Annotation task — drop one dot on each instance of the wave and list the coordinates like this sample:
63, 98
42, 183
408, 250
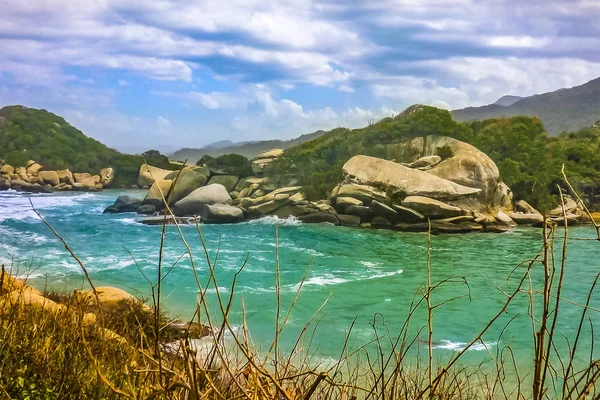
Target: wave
329, 279
371, 264
458, 346
275, 220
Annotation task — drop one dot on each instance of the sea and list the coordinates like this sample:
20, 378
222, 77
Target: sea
341, 290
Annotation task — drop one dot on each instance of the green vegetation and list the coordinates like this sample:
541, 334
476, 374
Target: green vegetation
31, 134
231, 164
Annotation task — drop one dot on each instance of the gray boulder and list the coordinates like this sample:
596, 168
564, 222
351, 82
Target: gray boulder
385, 211
229, 181
397, 179
364, 193
220, 214
359, 211
209, 194
430, 207
124, 204
185, 182
320, 217
406, 214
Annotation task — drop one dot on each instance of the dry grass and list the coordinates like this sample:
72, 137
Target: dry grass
125, 352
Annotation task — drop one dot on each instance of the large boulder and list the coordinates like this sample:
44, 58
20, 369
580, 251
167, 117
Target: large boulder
148, 174
4, 184
155, 197
229, 181
385, 211
430, 207
220, 214
84, 179
262, 162
398, 180
426, 162
209, 194
49, 177
320, 217
124, 204
65, 176
186, 181
503, 197
107, 175
33, 168
7, 169
466, 166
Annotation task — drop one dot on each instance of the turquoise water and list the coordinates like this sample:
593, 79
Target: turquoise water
369, 275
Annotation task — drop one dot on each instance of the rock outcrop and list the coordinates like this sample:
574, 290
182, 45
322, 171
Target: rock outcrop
148, 174
261, 163
193, 203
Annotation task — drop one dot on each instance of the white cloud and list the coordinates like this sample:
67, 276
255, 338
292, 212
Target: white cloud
123, 83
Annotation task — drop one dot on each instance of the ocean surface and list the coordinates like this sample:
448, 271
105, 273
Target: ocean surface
368, 278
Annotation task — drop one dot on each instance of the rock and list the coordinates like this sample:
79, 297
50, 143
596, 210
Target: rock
341, 203
266, 208
5, 184
96, 179
85, 179
177, 330
209, 194
525, 219
28, 296
359, 211
148, 174
154, 195
570, 207
297, 198
124, 204
8, 283
458, 220
49, 177
505, 219
220, 214
524, 207
349, 220
385, 211
107, 175
7, 169
399, 180
229, 181
503, 197
66, 176
406, 214
364, 193
21, 171
437, 227
430, 207
495, 228
274, 153
168, 221
33, 168
427, 161
146, 209
467, 166
110, 298
320, 217
186, 181
380, 222
242, 183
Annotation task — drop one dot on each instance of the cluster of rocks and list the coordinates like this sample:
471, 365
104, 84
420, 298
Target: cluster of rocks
437, 183
34, 178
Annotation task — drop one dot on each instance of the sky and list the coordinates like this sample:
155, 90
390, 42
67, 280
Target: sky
166, 74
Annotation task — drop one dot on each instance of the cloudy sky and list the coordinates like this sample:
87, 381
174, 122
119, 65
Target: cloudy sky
141, 74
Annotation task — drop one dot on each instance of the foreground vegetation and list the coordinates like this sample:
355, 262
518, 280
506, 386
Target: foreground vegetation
30, 134
53, 353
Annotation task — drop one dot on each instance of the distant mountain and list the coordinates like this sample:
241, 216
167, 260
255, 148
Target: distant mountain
247, 149
563, 110
507, 100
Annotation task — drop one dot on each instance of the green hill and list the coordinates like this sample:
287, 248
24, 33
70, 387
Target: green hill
564, 110
32, 134
246, 149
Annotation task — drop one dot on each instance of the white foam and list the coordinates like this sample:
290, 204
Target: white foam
330, 279
370, 264
458, 346
275, 220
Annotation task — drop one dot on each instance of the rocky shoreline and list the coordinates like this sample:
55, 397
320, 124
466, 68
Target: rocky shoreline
440, 184
34, 178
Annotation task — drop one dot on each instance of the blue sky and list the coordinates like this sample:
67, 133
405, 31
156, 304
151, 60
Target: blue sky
168, 74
